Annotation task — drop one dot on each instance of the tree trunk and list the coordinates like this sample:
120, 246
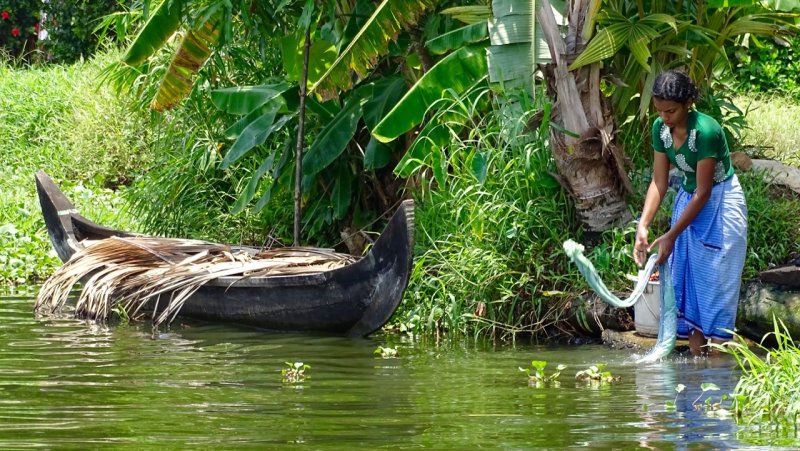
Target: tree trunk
590, 165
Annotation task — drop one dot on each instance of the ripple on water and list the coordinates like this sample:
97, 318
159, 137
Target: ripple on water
64, 382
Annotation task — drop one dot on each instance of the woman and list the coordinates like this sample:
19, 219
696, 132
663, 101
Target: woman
707, 239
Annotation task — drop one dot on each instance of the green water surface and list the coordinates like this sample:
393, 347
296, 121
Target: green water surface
65, 383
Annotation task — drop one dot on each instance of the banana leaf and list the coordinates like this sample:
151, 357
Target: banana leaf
371, 42
333, 139
159, 28
458, 71
244, 99
459, 37
194, 50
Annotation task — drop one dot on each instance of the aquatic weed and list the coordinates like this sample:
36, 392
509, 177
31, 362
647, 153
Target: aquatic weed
295, 373
537, 376
386, 352
595, 375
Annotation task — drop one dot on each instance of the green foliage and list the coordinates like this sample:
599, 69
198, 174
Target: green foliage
72, 27
53, 118
294, 373
19, 26
537, 376
712, 408
594, 375
489, 234
386, 352
772, 235
670, 405
768, 67
677, 34
766, 393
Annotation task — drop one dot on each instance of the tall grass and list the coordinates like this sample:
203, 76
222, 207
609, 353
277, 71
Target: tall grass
772, 127
767, 392
56, 118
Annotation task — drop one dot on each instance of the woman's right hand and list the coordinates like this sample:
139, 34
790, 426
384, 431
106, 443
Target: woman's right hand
640, 246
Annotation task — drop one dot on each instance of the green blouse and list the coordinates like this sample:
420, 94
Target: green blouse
705, 140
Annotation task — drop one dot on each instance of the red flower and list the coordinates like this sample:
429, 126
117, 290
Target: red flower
15, 32
5, 15
36, 27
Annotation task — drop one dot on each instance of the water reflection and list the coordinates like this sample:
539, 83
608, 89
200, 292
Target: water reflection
66, 383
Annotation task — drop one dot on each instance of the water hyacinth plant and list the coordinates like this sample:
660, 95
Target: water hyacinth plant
386, 352
537, 376
294, 373
671, 406
595, 375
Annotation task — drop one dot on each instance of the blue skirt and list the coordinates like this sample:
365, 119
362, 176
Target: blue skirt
708, 260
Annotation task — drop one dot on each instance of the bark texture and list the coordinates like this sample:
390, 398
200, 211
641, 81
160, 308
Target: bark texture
591, 166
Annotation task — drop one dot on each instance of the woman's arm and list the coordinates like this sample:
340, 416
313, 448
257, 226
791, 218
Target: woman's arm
655, 194
705, 181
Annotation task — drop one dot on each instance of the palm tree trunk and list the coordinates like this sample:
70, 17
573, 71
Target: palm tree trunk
590, 164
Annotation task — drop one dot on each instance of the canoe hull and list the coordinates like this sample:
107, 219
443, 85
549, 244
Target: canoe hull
354, 300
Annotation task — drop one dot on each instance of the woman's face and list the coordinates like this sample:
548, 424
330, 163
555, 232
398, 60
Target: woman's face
671, 112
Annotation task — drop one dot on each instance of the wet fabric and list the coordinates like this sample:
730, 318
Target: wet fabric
708, 259
667, 327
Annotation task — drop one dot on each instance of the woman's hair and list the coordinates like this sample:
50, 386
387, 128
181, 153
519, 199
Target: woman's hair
674, 85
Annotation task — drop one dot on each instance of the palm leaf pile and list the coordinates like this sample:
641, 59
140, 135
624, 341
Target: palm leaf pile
130, 273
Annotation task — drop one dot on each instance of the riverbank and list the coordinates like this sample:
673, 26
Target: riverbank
488, 244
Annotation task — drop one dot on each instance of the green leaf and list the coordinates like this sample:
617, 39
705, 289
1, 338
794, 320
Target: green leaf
386, 92
377, 154
469, 14
459, 37
606, 43
321, 54
431, 138
640, 52
342, 191
250, 189
458, 71
326, 111
438, 164
159, 28
254, 135
244, 99
709, 386
333, 139
784, 5
725, 3
479, 166
271, 107
371, 41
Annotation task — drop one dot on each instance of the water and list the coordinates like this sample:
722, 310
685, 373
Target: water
67, 384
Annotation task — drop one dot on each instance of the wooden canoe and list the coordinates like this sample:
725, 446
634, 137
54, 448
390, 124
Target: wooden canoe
354, 300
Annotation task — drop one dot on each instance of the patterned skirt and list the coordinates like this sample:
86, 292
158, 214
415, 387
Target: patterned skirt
708, 259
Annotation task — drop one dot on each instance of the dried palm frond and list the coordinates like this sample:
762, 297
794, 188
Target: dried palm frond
133, 272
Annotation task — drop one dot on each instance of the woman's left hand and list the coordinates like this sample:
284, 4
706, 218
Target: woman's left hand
665, 245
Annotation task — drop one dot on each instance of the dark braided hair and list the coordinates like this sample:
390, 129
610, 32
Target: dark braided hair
675, 86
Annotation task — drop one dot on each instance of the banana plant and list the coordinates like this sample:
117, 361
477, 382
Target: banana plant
370, 42
193, 51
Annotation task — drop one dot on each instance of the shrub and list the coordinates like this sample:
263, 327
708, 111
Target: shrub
19, 25
71, 27
769, 67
